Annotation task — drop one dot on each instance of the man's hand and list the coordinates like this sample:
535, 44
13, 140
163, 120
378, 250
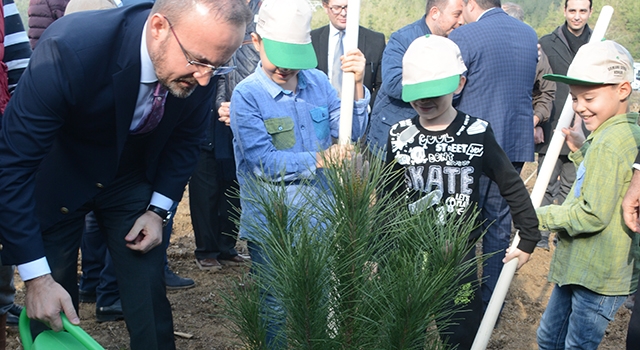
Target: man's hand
631, 203
354, 62
574, 135
45, 300
146, 233
224, 113
538, 135
517, 253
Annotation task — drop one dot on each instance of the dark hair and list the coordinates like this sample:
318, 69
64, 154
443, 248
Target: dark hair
437, 3
231, 11
566, 2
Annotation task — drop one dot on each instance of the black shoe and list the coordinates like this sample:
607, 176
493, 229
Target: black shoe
86, 296
13, 315
110, 313
174, 282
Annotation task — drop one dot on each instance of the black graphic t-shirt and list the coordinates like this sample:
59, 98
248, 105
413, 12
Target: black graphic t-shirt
443, 168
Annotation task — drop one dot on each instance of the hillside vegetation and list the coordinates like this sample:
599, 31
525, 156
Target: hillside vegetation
544, 16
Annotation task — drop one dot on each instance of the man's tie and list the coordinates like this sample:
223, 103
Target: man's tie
336, 71
152, 119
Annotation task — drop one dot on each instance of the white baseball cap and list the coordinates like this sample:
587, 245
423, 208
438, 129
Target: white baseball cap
431, 67
598, 63
285, 29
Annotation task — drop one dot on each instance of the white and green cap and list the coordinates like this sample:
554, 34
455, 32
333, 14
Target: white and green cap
598, 63
285, 28
431, 67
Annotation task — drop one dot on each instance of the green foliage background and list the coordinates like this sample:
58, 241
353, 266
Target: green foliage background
544, 16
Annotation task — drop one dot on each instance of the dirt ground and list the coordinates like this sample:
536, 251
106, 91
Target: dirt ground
200, 323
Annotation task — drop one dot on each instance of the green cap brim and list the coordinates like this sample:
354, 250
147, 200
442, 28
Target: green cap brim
569, 81
290, 56
431, 88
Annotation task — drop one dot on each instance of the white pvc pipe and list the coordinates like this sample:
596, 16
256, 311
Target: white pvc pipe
350, 42
508, 270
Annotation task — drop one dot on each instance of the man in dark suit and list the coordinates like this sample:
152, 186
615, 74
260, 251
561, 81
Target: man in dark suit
561, 46
87, 129
213, 186
501, 55
325, 40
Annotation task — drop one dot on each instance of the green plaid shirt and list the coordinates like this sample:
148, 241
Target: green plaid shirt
595, 248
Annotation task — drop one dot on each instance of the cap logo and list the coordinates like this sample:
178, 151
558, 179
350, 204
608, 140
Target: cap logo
618, 71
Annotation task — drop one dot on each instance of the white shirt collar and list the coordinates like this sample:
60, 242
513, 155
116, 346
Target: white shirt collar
333, 31
147, 72
482, 14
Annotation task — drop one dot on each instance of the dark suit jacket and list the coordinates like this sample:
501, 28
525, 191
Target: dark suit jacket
501, 55
369, 42
65, 128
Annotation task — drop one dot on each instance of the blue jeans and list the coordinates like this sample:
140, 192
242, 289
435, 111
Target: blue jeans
497, 223
576, 318
271, 308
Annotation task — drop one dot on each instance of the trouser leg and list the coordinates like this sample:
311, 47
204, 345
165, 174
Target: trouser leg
140, 276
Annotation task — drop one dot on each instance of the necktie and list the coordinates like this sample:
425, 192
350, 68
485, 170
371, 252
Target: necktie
152, 119
336, 71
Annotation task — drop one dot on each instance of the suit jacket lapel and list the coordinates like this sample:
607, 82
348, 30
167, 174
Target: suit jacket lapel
361, 40
126, 82
323, 49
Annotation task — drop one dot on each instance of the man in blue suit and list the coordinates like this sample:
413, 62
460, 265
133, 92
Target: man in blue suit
501, 56
77, 136
441, 17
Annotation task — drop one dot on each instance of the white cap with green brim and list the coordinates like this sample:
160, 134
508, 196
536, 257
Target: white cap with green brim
431, 67
598, 63
285, 29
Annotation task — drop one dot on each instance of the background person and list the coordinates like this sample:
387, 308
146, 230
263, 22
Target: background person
561, 46
630, 211
213, 186
441, 17
328, 45
493, 43
41, 14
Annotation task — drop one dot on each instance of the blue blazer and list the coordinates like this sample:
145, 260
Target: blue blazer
64, 130
501, 54
389, 107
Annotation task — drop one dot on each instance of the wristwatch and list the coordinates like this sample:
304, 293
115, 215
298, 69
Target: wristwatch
164, 214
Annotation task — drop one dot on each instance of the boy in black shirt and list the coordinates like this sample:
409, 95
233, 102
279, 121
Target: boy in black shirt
444, 152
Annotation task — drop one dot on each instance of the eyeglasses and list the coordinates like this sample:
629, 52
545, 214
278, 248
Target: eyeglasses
203, 68
336, 10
